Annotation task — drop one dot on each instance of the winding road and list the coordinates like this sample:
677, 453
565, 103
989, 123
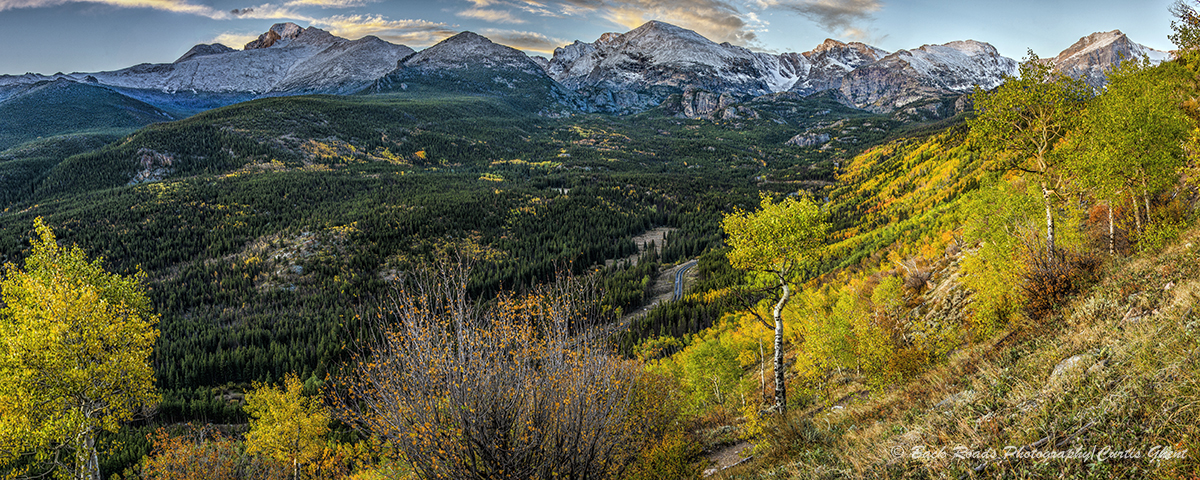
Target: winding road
679, 278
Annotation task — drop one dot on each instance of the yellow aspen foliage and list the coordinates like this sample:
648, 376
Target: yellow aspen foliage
75, 346
286, 425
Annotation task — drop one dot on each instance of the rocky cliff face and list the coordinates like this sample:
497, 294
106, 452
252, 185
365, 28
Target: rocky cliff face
928, 72
1092, 57
623, 71
701, 104
823, 68
286, 59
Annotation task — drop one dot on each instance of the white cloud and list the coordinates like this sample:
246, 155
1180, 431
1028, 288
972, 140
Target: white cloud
329, 3
528, 41
234, 40
407, 32
269, 12
490, 15
835, 15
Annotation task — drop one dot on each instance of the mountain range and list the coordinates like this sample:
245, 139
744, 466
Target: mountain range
617, 73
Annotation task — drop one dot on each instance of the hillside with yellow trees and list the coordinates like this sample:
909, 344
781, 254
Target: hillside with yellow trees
443, 287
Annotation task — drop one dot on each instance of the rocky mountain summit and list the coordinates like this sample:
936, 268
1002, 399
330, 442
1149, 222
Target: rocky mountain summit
286, 59
658, 59
279, 31
823, 67
1093, 56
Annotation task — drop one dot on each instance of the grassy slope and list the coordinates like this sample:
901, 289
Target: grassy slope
1116, 369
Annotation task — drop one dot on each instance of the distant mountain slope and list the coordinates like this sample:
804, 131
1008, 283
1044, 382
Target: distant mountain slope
287, 59
472, 64
62, 106
621, 71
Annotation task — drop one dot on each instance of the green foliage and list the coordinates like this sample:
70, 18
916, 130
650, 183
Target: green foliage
1133, 134
711, 371
994, 271
1021, 120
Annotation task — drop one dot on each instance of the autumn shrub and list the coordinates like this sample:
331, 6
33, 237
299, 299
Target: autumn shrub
1159, 233
200, 454
286, 425
916, 279
1049, 280
661, 442
672, 456
523, 387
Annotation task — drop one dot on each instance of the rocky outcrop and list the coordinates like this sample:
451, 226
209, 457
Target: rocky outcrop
152, 166
808, 139
278, 32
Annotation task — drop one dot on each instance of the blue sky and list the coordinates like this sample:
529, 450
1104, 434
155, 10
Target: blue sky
48, 36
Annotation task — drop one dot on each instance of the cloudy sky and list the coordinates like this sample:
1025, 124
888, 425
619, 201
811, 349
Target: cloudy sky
48, 36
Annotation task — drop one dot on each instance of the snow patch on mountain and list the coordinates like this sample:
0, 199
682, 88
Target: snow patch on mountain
1093, 56
287, 59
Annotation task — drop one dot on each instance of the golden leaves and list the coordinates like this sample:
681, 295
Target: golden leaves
75, 357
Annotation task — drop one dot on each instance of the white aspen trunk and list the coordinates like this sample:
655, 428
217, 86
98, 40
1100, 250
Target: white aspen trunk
1136, 216
91, 463
1112, 242
1049, 222
762, 370
1146, 199
780, 388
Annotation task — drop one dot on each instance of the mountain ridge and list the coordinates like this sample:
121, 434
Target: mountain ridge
618, 73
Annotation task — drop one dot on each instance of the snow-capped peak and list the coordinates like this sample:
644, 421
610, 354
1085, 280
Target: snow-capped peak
1090, 44
468, 49
1093, 56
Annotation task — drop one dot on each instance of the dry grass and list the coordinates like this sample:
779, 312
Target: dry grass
1113, 373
